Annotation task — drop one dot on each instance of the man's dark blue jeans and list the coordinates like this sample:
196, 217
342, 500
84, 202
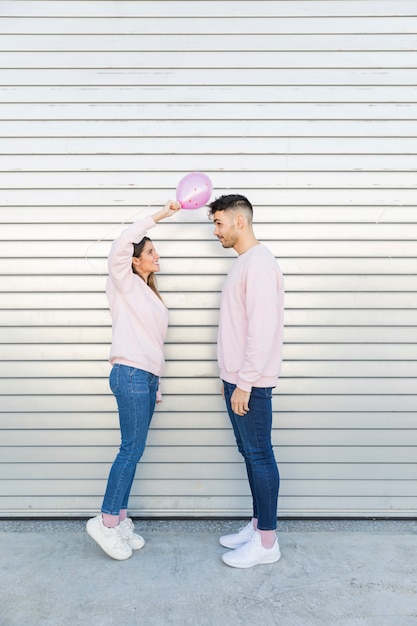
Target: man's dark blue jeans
253, 438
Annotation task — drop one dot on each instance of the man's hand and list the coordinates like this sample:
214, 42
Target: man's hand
240, 401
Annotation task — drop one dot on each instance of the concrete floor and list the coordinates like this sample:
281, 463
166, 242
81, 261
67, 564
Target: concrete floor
331, 573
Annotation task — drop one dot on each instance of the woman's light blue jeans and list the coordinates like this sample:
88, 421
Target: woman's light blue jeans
135, 392
253, 438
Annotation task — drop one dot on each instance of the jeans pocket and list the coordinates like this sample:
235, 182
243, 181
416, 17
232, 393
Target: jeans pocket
139, 381
114, 378
263, 393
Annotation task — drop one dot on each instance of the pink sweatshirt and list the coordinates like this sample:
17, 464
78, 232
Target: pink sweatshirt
140, 319
251, 322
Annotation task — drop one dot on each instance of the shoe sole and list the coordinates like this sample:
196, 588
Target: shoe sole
117, 557
248, 565
232, 546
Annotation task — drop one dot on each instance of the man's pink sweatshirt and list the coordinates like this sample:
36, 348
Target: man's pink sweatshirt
140, 318
251, 325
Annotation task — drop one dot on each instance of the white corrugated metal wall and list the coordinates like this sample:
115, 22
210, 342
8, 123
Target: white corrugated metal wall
309, 108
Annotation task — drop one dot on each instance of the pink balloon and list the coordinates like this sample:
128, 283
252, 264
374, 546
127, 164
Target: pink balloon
194, 190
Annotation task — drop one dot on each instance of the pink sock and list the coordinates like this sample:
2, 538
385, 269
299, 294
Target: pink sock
255, 522
110, 521
122, 515
268, 538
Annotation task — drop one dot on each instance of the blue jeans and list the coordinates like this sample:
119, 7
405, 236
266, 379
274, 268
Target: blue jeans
253, 438
135, 392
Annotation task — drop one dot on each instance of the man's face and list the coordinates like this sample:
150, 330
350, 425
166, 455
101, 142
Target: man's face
225, 228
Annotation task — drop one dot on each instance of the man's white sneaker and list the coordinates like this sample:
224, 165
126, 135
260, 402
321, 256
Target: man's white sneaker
238, 539
110, 540
135, 541
252, 553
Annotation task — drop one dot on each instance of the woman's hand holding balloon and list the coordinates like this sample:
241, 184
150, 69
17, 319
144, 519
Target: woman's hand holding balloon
171, 207
193, 191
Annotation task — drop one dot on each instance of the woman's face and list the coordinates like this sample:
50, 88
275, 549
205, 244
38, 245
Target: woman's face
148, 261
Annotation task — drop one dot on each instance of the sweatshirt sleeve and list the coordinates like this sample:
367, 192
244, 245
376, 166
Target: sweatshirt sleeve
263, 297
120, 256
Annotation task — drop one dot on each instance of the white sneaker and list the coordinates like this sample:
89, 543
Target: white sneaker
238, 539
252, 553
135, 541
110, 540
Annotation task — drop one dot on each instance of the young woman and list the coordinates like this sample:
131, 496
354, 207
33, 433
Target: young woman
140, 321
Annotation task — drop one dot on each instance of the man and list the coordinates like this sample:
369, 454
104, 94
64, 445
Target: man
249, 351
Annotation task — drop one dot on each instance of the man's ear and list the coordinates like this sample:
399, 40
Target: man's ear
240, 221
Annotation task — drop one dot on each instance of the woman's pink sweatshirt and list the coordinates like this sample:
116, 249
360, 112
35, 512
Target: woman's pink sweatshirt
251, 322
140, 318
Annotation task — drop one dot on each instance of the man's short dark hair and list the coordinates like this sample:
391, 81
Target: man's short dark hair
231, 202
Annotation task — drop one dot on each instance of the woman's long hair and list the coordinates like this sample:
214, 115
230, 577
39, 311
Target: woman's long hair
151, 282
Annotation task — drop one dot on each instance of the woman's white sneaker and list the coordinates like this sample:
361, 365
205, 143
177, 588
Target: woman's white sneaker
252, 553
238, 539
110, 540
135, 541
